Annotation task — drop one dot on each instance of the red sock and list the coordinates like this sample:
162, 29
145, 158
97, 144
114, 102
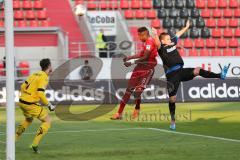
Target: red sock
125, 99
137, 102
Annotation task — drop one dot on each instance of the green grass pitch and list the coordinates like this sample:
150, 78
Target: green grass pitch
103, 139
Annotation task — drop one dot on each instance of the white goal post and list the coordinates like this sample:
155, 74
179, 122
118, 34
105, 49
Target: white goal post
10, 84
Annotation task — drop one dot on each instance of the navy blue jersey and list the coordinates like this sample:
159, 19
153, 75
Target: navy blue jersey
170, 55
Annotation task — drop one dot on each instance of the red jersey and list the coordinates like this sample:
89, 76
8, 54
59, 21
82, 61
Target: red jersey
151, 62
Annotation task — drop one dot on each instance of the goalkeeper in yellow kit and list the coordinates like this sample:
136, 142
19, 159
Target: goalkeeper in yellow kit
32, 92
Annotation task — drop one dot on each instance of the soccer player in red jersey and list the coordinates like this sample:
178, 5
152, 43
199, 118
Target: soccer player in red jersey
142, 74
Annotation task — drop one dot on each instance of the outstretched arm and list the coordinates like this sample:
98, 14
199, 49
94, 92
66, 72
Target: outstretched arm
139, 59
135, 56
156, 38
182, 31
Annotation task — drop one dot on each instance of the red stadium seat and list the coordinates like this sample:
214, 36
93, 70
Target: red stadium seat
227, 33
146, 4
222, 23
159, 31
42, 14
33, 23
103, 5
216, 13
211, 4
78, 2
2, 15
38, 4
211, 23
204, 52
216, 33
222, 43
228, 13
30, 14
237, 52
192, 52
113, 4
233, 43
237, 32
128, 14
233, 3
199, 43
155, 23
151, 14
140, 14
92, 5
233, 23
135, 4
26, 4
188, 43
237, 13
210, 43
200, 3
22, 23
222, 4
228, 52
206, 13
1, 23
44, 23
2, 71
23, 68
216, 52
16, 5
18, 14
124, 4
15, 23
182, 52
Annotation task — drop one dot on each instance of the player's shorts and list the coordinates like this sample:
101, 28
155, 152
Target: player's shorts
175, 78
33, 110
140, 78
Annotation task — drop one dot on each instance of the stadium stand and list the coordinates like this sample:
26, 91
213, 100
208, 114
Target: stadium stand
215, 22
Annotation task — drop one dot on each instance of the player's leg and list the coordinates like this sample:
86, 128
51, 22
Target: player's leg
123, 103
131, 86
207, 74
42, 130
23, 126
172, 86
137, 95
27, 121
143, 81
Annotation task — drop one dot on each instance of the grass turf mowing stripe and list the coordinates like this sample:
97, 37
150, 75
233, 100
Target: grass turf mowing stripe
154, 129
196, 135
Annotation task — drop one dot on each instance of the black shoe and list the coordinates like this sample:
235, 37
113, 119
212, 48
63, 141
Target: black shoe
35, 149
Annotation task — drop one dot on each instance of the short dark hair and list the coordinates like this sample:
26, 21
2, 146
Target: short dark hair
162, 35
45, 63
142, 29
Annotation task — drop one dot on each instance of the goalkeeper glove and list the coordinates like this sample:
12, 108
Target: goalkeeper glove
51, 107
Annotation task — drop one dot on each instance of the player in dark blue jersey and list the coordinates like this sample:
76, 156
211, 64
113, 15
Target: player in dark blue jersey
173, 67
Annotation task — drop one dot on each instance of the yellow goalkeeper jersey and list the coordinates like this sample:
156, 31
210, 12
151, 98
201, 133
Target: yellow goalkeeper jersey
33, 89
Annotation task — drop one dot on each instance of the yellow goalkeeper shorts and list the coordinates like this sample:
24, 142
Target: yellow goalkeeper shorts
33, 110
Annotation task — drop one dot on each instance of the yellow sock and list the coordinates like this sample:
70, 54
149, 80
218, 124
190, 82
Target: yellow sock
21, 128
40, 133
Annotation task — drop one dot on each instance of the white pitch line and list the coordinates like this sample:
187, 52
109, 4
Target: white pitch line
195, 135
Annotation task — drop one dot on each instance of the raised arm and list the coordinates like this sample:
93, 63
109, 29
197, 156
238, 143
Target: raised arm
156, 38
182, 31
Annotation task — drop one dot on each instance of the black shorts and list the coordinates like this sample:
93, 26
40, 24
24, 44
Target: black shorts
175, 78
